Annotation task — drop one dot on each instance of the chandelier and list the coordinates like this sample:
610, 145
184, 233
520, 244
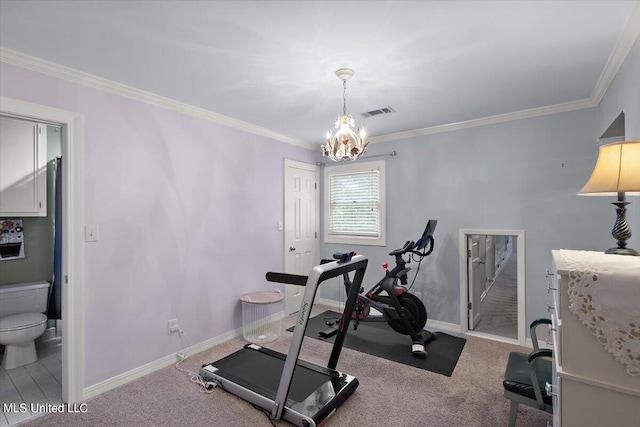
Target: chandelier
344, 143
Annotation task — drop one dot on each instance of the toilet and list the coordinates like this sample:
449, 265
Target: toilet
22, 321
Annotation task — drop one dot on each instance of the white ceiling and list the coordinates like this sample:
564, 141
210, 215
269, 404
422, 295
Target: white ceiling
272, 63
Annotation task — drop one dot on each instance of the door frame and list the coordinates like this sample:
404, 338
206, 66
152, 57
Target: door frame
463, 233
474, 311
309, 167
72, 244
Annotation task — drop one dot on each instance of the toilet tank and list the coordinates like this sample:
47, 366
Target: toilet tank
29, 297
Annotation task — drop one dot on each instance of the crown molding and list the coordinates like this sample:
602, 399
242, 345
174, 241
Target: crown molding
622, 47
484, 121
29, 62
624, 44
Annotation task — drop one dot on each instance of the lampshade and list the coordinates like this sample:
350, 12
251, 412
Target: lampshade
617, 170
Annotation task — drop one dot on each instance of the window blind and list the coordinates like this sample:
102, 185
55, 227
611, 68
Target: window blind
354, 205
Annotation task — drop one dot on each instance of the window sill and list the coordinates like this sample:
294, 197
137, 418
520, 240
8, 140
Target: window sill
351, 240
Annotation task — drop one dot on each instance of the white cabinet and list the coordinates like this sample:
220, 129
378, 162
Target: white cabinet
23, 168
591, 388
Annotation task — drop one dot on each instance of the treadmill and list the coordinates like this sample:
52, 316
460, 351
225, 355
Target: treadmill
300, 392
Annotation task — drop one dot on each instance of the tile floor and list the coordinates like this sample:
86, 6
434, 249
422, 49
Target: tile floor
38, 382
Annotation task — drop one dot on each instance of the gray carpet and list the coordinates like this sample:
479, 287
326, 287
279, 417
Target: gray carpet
499, 309
389, 393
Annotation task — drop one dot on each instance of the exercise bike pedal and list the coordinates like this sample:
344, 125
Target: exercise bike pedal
419, 351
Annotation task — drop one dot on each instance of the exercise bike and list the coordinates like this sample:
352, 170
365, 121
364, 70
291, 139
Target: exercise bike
404, 312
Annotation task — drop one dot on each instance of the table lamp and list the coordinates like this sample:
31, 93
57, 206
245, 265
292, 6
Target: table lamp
617, 171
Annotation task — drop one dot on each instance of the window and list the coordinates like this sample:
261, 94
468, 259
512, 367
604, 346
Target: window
354, 204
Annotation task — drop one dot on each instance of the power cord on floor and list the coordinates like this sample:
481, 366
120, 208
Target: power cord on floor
205, 386
264, 411
182, 334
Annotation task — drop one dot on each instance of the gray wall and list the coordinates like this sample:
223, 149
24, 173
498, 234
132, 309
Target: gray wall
518, 175
37, 263
624, 95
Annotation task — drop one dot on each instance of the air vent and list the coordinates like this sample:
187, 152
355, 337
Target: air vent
372, 113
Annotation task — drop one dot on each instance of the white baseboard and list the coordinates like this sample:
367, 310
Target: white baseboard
331, 303
443, 326
491, 337
143, 370
541, 344
171, 359
528, 342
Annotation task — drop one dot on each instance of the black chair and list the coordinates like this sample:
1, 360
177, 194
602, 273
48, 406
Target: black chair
526, 376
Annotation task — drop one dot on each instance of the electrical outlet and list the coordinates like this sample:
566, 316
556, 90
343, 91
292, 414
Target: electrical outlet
181, 355
173, 325
419, 295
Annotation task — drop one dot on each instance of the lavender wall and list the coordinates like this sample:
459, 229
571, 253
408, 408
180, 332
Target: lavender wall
187, 211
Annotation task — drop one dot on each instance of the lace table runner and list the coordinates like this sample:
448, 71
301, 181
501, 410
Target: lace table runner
604, 292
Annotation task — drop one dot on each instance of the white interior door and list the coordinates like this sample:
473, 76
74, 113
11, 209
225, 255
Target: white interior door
476, 281
301, 247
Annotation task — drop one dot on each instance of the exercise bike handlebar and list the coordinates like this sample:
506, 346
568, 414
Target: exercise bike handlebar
429, 243
403, 250
411, 248
423, 246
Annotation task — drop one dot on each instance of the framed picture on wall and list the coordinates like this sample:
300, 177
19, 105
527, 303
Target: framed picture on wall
11, 239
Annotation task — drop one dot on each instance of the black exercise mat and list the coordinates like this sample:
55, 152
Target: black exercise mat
378, 339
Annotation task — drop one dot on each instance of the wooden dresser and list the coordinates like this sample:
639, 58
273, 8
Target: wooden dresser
591, 387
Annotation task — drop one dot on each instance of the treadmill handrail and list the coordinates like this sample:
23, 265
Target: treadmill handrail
317, 275
289, 279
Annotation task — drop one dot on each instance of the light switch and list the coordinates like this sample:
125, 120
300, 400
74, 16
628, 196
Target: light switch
90, 233
280, 226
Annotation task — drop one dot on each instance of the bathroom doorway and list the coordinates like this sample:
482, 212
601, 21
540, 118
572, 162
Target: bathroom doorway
32, 208
70, 126
492, 284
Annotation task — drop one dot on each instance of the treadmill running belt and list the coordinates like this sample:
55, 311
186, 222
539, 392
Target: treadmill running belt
261, 373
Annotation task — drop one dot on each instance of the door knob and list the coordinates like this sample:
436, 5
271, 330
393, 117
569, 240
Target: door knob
291, 248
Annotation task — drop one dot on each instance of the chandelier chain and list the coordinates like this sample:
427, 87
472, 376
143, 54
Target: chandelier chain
344, 97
